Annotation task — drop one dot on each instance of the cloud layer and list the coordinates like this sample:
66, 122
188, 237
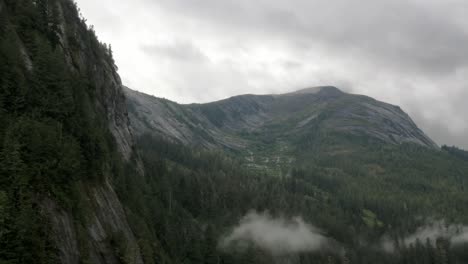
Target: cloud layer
278, 236
407, 52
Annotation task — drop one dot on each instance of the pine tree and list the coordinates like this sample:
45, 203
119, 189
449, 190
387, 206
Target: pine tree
43, 11
28, 20
210, 246
430, 251
442, 255
12, 167
346, 258
3, 22
52, 93
194, 252
12, 79
54, 21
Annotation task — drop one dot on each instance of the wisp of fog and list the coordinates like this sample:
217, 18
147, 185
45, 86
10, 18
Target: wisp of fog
432, 231
278, 236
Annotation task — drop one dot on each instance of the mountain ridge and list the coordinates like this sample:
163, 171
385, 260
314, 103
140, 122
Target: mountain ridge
250, 112
273, 132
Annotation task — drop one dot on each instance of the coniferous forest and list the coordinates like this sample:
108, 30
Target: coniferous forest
59, 91
53, 135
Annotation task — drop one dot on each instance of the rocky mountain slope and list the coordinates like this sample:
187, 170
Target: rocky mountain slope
269, 129
221, 122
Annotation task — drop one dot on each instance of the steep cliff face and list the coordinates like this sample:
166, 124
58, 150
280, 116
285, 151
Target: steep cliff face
106, 226
70, 84
76, 41
107, 216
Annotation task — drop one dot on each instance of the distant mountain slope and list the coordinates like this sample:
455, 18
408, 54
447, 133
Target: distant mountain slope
358, 169
275, 129
220, 122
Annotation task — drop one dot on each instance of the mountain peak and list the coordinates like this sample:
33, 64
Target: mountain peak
319, 90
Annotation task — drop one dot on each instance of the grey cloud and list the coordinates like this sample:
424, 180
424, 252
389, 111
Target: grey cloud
407, 52
291, 65
443, 133
422, 36
443, 115
278, 236
184, 51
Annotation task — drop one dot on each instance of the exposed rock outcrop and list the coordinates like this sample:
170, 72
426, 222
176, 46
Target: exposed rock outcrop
223, 123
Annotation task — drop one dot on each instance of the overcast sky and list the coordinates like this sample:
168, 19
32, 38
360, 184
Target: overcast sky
413, 53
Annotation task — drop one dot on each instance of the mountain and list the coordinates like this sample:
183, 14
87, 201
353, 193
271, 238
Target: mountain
271, 128
355, 168
224, 120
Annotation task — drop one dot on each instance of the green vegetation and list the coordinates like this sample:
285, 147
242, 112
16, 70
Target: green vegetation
379, 191
462, 154
51, 135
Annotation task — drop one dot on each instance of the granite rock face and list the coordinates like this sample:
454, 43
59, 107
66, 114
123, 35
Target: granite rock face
224, 123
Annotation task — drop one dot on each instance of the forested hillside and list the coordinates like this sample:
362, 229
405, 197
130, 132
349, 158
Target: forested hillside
462, 154
373, 200
63, 136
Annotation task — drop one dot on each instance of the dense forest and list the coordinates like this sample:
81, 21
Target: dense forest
53, 138
462, 154
191, 198
375, 204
